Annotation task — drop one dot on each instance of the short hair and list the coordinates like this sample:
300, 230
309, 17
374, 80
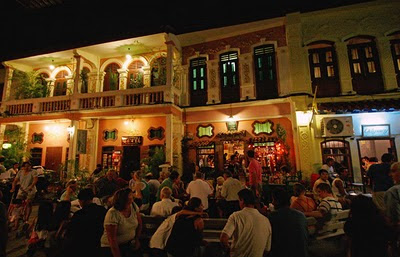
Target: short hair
99, 166
193, 203
247, 196
322, 171
395, 167
176, 209
166, 191
325, 187
233, 157
250, 153
228, 173
2, 159
373, 159
365, 158
86, 194
174, 175
198, 175
220, 179
149, 175
25, 163
281, 197
298, 188
138, 173
329, 159
387, 157
341, 170
120, 198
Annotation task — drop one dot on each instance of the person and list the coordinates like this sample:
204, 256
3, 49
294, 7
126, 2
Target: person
229, 192
338, 187
97, 171
107, 185
381, 180
85, 228
289, 228
163, 176
218, 187
392, 195
153, 184
329, 167
328, 206
168, 182
27, 190
251, 230
255, 174
141, 190
199, 188
122, 226
59, 223
70, 193
10, 173
301, 202
323, 178
164, 207
187, 232
3, 227
367, 229
2, 168
179, 192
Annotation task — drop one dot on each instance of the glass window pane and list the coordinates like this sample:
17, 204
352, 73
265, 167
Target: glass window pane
270, 60
259, 62
194, 73
398, 64
202, 84
194, 85
368, 52
225, 81
329, 56
317, 72
234, 80
330, 71
371, 67
271, 75
397, 48
201, 72
354, 54
356, 68
315, 58
261, 75
224, 68
233, 67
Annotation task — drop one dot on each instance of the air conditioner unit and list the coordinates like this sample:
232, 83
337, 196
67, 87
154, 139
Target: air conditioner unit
337, 126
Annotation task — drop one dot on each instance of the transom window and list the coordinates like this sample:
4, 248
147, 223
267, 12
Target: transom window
395, 45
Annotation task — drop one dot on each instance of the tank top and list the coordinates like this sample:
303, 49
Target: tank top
335, 189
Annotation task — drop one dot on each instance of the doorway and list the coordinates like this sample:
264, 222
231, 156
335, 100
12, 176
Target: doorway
53, 157
376, 147
130, 161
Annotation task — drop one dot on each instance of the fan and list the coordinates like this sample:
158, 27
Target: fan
335, 126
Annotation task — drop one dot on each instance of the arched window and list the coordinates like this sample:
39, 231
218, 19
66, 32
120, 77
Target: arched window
364, 65
198, 81
45, 91
111, 78
324, 69
159, 72
85, 80
339, 150
395, 46
229, 70
265, 72
135, 74
60, 85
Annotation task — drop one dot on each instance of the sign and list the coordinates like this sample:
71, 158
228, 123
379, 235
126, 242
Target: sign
132, 140
376, 130
81, 141
232, 136
232, 125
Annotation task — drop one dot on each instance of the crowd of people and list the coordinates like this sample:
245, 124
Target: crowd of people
104, 218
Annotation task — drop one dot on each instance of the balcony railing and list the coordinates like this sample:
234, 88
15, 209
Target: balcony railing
99, 100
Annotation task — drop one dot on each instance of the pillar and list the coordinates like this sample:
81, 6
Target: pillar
146, 76
344, 69
388, 71
123, 79
77, 79
70, 85
170, 56
169, 139
7, 83
72, 150
247, 85
213, 90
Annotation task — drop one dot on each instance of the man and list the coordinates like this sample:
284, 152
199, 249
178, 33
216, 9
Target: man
339, 187
251, 230
392, 195
107, 185
381, 180
164, 207
168, 182
229, 192
255, 174
70, 191
10, 173
154, 184
199, 188
27, 179
323, 178
289, 228
86, 227
328, 206
329, 167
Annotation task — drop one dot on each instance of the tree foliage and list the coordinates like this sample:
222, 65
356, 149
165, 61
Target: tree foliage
29, 85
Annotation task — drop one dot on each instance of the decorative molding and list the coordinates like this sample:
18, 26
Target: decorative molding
205, 131
37, 138
156, 133
267, 128
110, 135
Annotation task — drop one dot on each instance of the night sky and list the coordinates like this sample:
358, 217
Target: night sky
76, 23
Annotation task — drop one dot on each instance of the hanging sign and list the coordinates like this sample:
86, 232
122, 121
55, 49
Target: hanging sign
132, 140
376, 130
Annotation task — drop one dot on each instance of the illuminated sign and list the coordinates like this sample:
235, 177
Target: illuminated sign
376, 130
132, 140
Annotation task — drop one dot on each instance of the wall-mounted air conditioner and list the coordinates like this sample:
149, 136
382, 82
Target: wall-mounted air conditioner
337, 126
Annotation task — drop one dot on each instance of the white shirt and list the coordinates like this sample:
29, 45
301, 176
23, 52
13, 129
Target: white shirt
160, 237
230, 189
201, 189
8, 174
335, 189
251, 233
163, 208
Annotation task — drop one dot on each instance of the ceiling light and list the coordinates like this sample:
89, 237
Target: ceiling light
128, 57
51, 67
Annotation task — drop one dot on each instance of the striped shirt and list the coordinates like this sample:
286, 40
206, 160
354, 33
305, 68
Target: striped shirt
329, 205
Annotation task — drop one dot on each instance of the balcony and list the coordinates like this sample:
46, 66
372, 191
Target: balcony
90, 101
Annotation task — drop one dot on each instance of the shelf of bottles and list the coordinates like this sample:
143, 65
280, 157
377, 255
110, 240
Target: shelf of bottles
205, 156
269, 154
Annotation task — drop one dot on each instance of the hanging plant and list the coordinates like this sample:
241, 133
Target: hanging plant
29, 85
85, 81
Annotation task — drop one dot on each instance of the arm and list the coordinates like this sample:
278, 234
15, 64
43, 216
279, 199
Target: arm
112, 239
16, 180
224, 239
315, 214
35, 180
199, 224
339, 185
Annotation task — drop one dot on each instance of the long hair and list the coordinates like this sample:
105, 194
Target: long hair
120, 198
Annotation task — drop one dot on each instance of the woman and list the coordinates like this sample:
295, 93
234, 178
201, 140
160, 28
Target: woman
367, 229
187, 232
300, 201
122, 226
141, 190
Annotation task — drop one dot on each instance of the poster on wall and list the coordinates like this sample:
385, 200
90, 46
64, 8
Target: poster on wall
81, 141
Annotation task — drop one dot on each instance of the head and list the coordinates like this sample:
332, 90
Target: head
323, 174
330, 161
395, 172
176, 209
220, 180
15, 165
123, 198
387, 158
298, 189
324, 190
194, 204
365, 159
233, 158
2, 159
93, 188
246, 198
85, 196
107, 201
72, 184
373, 159
148, 176
174, 176
280, 198
137, 175
343, 172
250, 153
111, 174
26, 166
99, 167
362, 208
166, 193
198, 175
227, 174
285, 169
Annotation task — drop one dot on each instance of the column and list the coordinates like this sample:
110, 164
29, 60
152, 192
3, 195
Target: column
100, 82
25, 130
178, 132
72, 149
93, 78
304, 150
284, 79
51, 83
247, 74
185, 86
77, 79
70, 85
344, 68
170, 55
123, 79
388, 71
146, 76
213, 82
169, 139
7, 83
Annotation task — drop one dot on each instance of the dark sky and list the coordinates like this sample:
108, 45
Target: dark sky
75, 23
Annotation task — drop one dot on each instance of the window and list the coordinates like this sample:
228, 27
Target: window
85, 80
159, 72
339, 150
324, 69
135, 74
60, 85
395, 45
265, 72
364, 66
36, 156
111, 78
198, 81
230, 90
